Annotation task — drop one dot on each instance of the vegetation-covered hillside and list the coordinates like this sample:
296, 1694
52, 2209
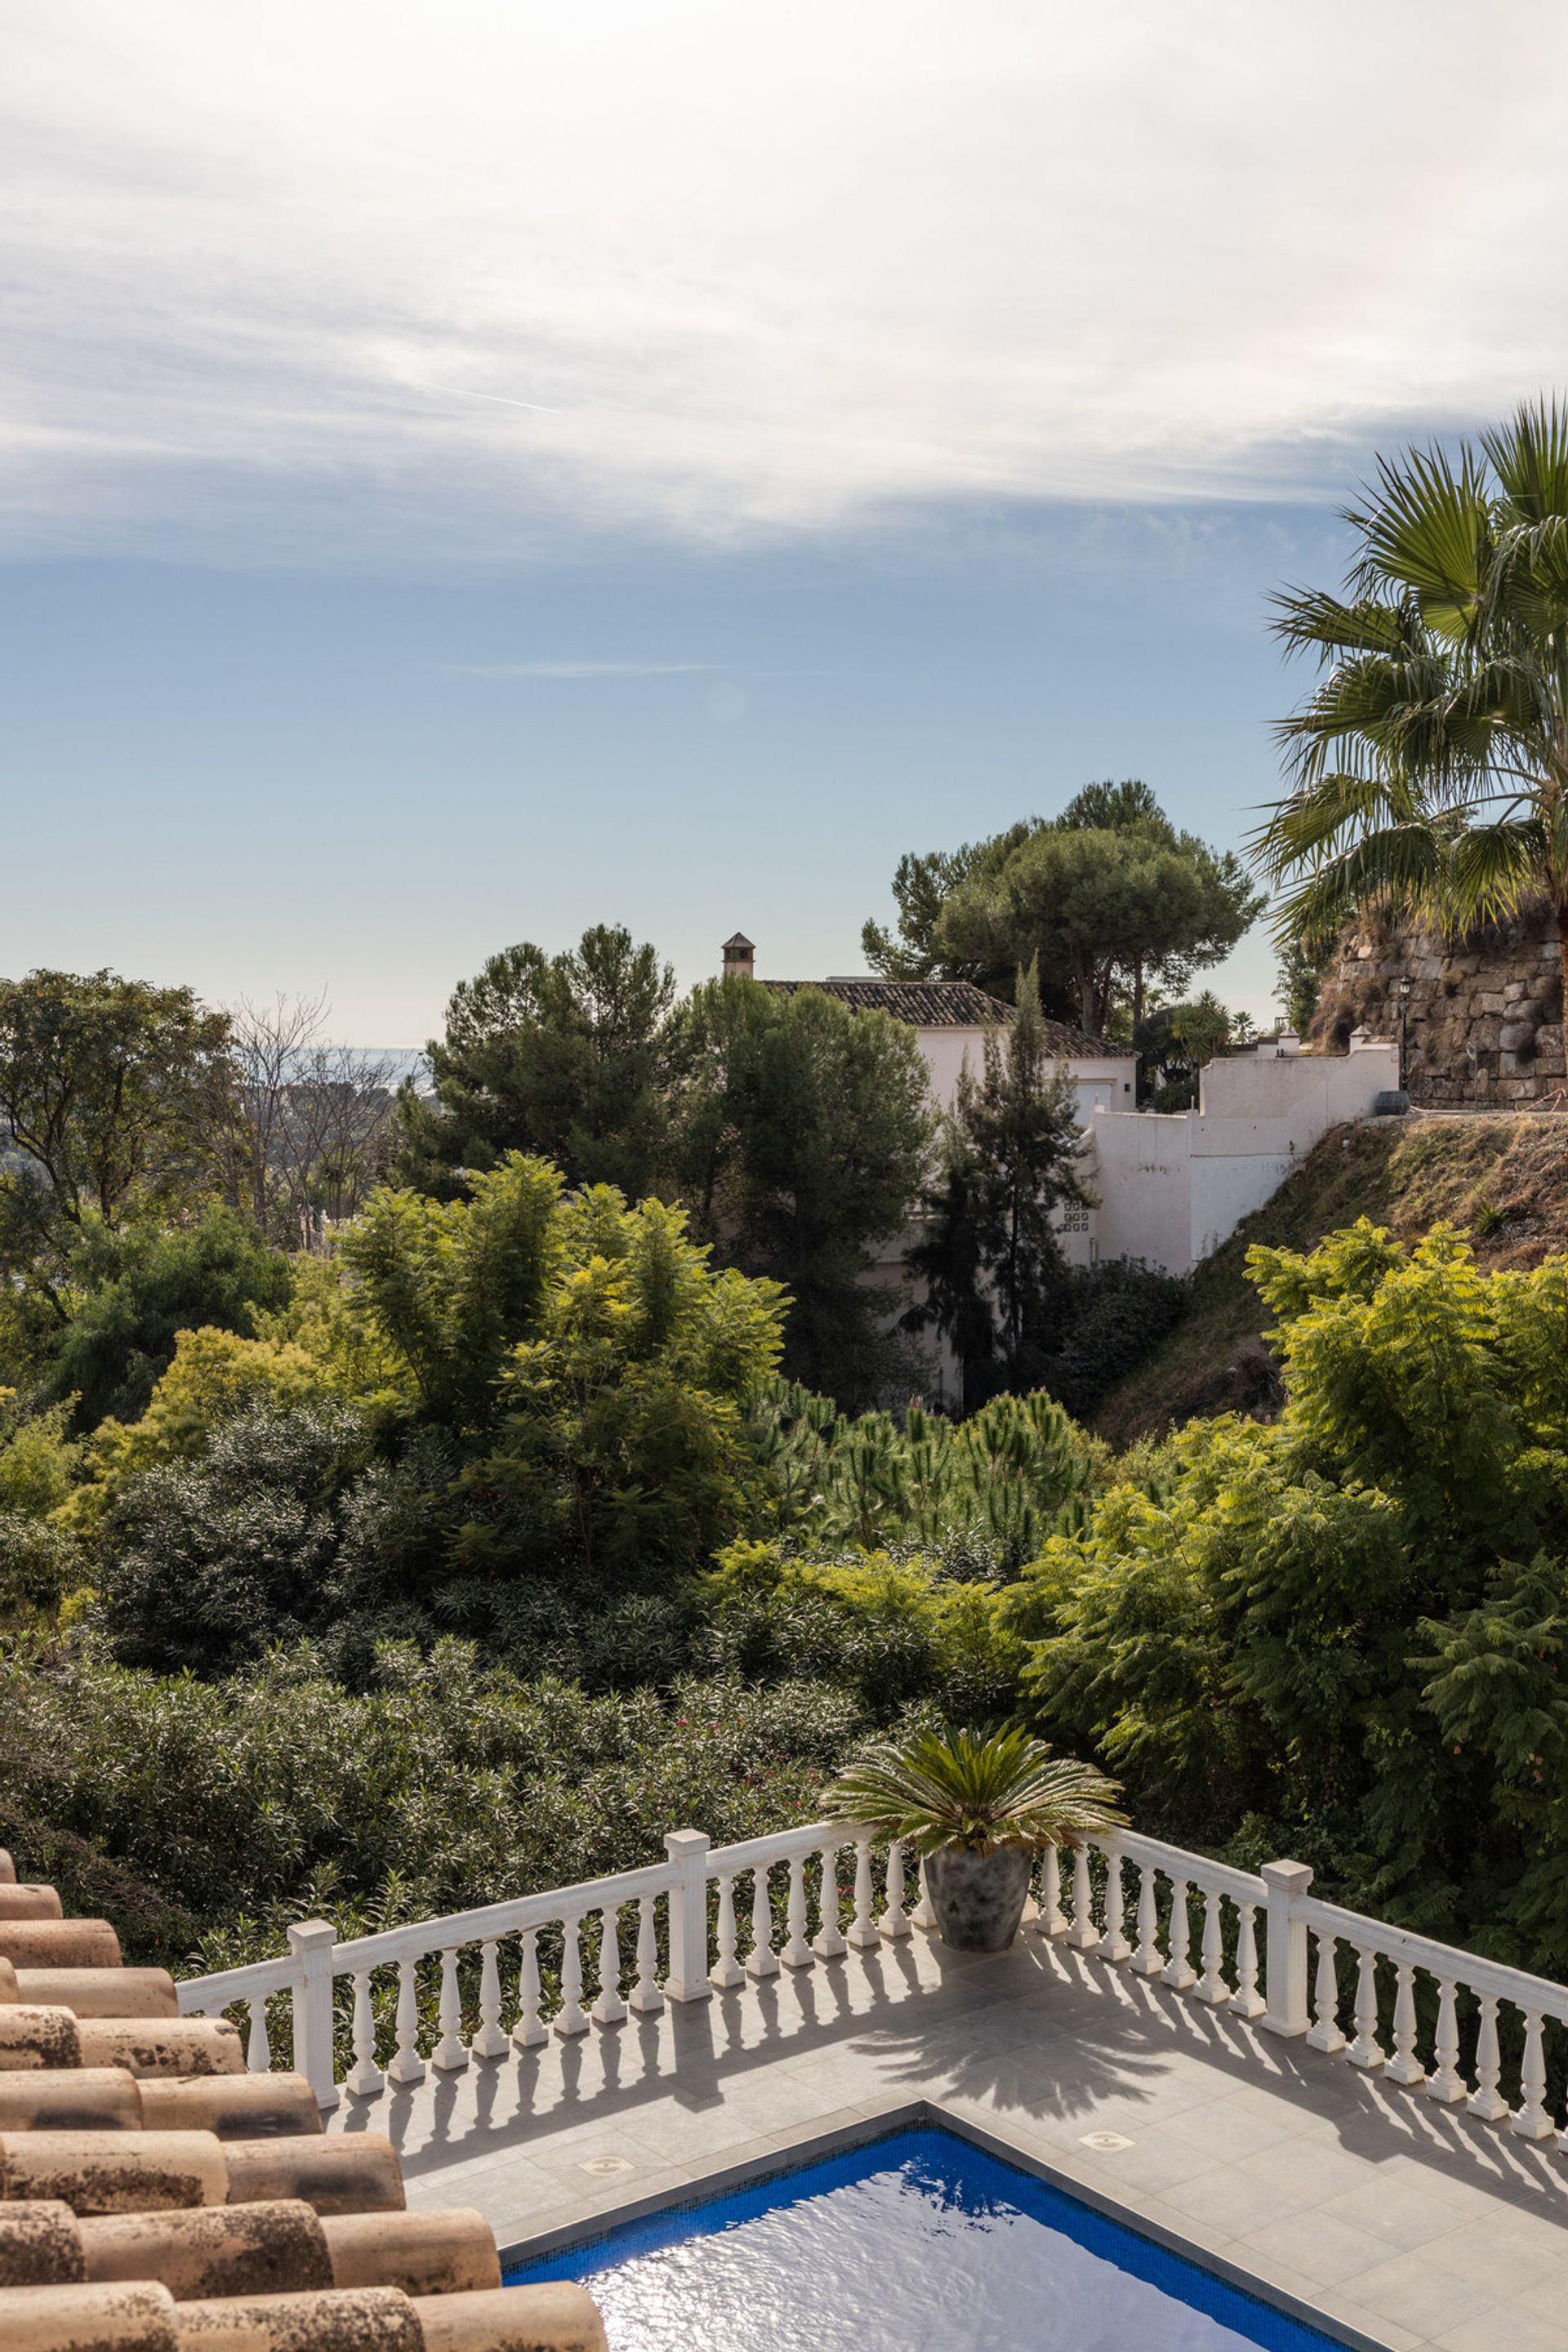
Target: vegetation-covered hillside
1502, 1181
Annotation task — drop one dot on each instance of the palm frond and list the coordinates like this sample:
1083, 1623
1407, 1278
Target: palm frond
1495, 867
1426, 532
972, 1788
1529, 455
1307, 617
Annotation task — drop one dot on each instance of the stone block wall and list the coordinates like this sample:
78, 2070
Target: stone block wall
1484, 1018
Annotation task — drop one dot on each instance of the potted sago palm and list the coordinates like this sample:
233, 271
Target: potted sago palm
977, 1808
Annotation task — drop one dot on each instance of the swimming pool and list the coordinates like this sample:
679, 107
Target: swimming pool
919, 2242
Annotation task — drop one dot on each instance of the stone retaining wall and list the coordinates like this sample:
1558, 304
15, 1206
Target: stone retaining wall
1484, 1018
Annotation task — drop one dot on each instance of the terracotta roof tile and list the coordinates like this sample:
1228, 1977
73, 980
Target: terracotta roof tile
949, 1004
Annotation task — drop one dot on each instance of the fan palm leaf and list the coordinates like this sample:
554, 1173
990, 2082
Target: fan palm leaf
1428, 767
972, 1788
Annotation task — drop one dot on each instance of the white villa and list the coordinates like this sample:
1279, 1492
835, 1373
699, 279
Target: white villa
1172, 1186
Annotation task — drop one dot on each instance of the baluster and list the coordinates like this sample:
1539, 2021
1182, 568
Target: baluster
797, 1952
829, 1943
365, 2077
1212, 1986
1405, 2066
1083, 1935
893, 1923
726, 1971
489, 2042
1366, 2051
1178, 1971
609, 2009
646, 1997
569, 2018
257, 2049
1486, 2100
1114, 1943
530, 2028
762, 1961
1149, 1960
407, 2066
1053, 1920
450, 2054
1246, 2000
1325, 2033
923, 1915
1445, 2084
863, 1927
1531, 2120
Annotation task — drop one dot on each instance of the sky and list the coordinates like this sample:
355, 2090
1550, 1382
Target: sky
471, 471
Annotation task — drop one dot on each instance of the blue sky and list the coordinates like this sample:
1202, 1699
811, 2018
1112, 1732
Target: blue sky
469, 472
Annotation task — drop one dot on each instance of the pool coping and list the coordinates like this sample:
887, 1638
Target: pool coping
863, 2125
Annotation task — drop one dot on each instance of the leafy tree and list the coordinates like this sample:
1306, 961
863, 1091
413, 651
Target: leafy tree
991, 1255
207, 1564
1100, 900
590, 1365
107, 1088
560, 1057
1430, 766
134, 1290
921, 889
800, 1131
1346, 1624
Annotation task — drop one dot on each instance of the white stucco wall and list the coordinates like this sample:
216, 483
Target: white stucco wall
1103, 1082
1174, 1188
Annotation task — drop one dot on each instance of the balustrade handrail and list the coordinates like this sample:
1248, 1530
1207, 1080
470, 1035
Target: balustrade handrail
1196, 1869
515, 1916
1190, 1943
1536, 1996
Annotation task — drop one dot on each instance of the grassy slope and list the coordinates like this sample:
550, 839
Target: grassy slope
1504, 1180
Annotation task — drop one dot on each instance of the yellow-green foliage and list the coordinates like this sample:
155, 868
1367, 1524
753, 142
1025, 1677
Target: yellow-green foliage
38, 1462
326, 1316
215, 1374
900, 1629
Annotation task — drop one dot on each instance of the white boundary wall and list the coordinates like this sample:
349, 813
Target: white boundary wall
1172, 1187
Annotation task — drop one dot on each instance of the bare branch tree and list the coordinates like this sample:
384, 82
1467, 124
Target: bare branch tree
265, 1042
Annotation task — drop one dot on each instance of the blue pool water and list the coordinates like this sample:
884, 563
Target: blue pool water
916, 2242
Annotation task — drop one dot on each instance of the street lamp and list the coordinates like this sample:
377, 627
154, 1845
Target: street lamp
1406, 985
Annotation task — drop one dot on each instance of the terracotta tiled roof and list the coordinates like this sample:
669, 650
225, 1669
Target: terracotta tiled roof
950, 1004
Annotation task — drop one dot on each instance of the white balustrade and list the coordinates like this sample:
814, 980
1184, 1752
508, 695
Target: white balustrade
863, 1933
646, 1996
489, 2042
797, 1953
257, 2049
1114, 1944
762, 1961
829, 1942
726, 1972
894, 1922
364, 2077
450, 2054
570, 2018
1406, 1988
609, 2009
1052, 1920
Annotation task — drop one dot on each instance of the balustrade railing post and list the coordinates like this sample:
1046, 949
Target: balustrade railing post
1284, 1949
688, 1978
311, 1941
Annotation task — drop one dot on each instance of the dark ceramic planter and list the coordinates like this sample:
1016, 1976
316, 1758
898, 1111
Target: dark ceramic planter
979, 1898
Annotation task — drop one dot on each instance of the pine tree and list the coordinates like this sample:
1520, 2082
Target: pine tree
991, 1258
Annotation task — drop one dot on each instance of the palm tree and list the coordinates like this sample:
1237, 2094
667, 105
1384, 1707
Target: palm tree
1430, 764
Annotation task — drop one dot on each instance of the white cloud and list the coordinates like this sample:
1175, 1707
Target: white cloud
447, 279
